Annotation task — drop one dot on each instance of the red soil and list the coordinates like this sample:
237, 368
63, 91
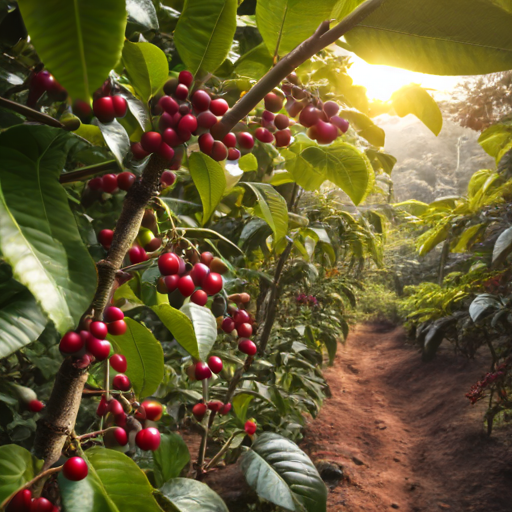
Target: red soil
404, 434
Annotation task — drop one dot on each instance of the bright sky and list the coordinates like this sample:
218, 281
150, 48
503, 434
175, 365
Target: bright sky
382, 81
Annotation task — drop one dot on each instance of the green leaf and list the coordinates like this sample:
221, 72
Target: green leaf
459, 37
345, 166
38, 233
304, 174
483, 305
496, 140
241, 404
431, 238
188, 495
413, 99
147, 68
502, 247
170, 458
194, 327
79, 41
287, 23
21, 320
17, 467
144, 356
116, 138
365, 127
143, 13
280, 472
272, 208
468, 238
210, 181
255, 63
205, 32
248, 163
381, 160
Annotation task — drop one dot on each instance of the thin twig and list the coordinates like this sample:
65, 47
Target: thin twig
30, 113
89, 171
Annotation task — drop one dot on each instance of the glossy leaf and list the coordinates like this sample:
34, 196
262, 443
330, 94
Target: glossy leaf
413, 99
459, 37
17, 467
147, 68
364, 126
502, 247
170, 458
255, 63
280, 472
345, 166
143, 13
116, 138
483, 305
79, 41
303, 173
204, 33
241, 404
495, 139
144, 356
248, 163
38, 233
381, 160
188, 495
468, 238
210, 181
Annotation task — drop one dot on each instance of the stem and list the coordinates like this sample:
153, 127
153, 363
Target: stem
87, 172
220, 453
237, 377
30, 113
206, 424
92, 435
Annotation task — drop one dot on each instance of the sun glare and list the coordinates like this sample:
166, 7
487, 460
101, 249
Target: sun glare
382, 81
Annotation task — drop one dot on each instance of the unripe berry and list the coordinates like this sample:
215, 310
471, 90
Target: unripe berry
202, 371
75, 469
201, 100
199, 410
250, 427
170, 86
230, 140
125, 180
20, 502
153, 409
331, 108
112, 314
219, 151
148, 439
206, 119
206, 258
212, 283
245, 297
188, 123
340, 123
71, 342
247, 347
168, 264
281, 121
138, 152
215, 364
233, 154
121, 382
225, 409
245, 140
118, 363
199, 297
273, 102
120, 106
35, 405
167, 179
184, 109
309, 116
165, 151
283, 138
100, 349
137, 255
228, 325
150, 141
171, 138
181, 92
109, 183
219, 107
117, 328
186, 78
98, 330
169, 105
206, 142
244, 330
263, 135
186, 286
103, 109
153, 245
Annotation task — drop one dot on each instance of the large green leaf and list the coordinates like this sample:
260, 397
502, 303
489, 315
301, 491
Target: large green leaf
170, 458
279, 471
143, 13
114, 484
413, 99
455, 37
147, 68
116, 138
17, 467
210, 181
303, 173
188, 495
194, 327
345, 166
144, 356
255, 63
205, 32
38, 233
482, 305
289, 22
21, 319
496, 140
241, 404
365, 127
271, 208
502, 247
79, 41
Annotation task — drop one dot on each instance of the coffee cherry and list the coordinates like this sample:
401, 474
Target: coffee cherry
331, 108
228, 325
153, 245
202, 371
206, 142
230, 140
217, 265
188, 123
245, 297
250, 427
184, 135
199, 273
171, 282
199, 297
219, 107
167, 179
125, 180
102, 408
309, 116
294, 108
181, 92
206, 258
150, 141
212, 283
186, 78
242, 317
340, 123
120, 419
20, 502
35, 405
154, 409
117, 328
199, 410
326, 132
148, 439
283, 138
263, 135
71, 343
98, 330
170, 137
206, 119
168, 264
103, 109
247, 347
138, 152
100, 349
137, 255
120, 106
201, 100
281, 121
244, 330
112, 314
215, 405
118, 362
215, 364
267, 116
115, 408
245, 140
109, 183
225, 409
169, 105
95, 184
120, 436
75, 469
233, 154
41, 505
219, 151
186, 286
170, 86
165, 151
121, 382
273, 102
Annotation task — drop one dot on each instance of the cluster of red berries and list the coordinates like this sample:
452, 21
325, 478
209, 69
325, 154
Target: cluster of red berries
42, 82
112, 183
91, 344
106, 106
241, 321
216, 406
477, 390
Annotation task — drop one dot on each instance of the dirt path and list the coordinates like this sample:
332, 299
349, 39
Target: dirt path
403, 433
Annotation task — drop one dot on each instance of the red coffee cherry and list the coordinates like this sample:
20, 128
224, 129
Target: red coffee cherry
212, 283
245, 140
121, 436
125, 180
199, 273
283, 138
186, 78
118, 362
273, 102
233, 154
230, 140
247, 347
186, 286
41, 505
115, 407
326, 132
20, 502
171, 282
153, 409
206, 258
202, 371
148, 439
294, 108
120, 419
201, 100
340, 123
219, 107
167, 179
215, 364
98, 330
309, 116
71, 343
171, 138
100, 349
117, 328
281, 121
109, 183
165, 151
263, 135
150, 141
105, 237
121, 382
219, 151
169, 105
225, 409
250, 427
154, 245
120, 105
206, 142
206, 119
199, 297
242, 317
199, 410
244, 330
228, 325
181, 92
137, 254
102, 407
188, 123
103, 109
215, 405
331, 108
112, 314
35, 406
168, 264
75, 469
96, 184
267, 116
184, 135
138, 152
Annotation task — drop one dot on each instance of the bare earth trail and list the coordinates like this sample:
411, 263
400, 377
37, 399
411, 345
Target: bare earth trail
404, 434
